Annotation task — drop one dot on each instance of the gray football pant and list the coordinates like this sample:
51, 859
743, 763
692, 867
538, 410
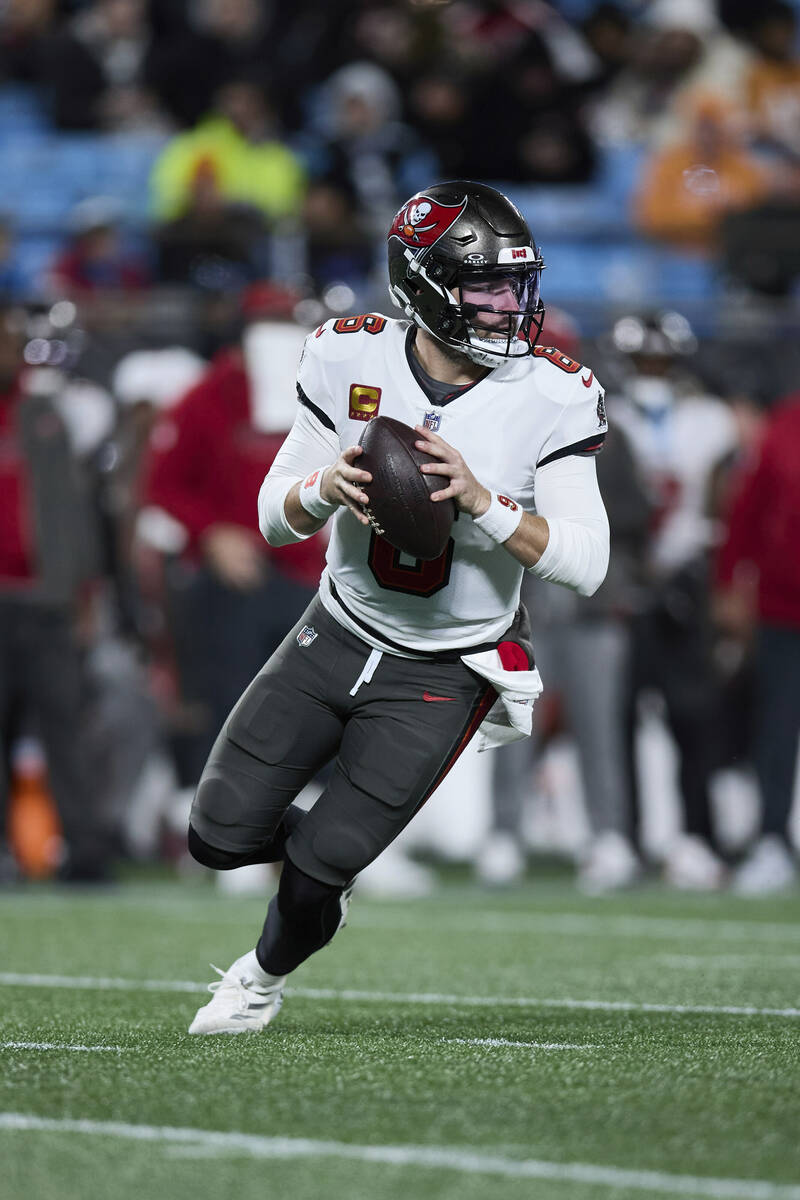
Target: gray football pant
586, 662
392, 743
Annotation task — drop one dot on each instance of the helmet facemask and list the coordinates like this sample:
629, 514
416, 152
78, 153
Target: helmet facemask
489, 314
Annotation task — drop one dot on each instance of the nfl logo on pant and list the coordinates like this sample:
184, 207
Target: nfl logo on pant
307, 635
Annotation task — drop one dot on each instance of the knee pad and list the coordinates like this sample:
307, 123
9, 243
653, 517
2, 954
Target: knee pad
308, 907
210, 856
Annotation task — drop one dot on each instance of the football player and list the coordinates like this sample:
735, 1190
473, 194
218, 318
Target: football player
398, 662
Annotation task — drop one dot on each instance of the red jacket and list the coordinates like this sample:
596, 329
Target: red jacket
764, 524
16, 512
207, 463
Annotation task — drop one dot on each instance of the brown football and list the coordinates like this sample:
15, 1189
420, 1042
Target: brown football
400, 508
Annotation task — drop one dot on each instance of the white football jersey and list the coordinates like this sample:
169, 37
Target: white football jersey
523, 415
677, 450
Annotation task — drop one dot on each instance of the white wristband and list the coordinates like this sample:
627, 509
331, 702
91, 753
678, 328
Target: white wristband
500, 519
310, 497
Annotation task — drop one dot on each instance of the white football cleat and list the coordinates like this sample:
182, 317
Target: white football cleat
610, 864
693, 866
244, 1000
768, 868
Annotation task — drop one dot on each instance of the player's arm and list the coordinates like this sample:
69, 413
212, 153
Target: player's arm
308, 462
566, 542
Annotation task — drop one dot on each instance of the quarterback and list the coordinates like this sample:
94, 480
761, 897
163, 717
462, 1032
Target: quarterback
398, 662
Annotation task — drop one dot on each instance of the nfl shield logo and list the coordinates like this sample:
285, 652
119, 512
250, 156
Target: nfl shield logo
307, 635
432, 421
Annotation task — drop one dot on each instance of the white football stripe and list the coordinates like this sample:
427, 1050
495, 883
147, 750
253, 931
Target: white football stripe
726, 961
92, 983
526, 1045
57, 1046
584, 925
450, 1158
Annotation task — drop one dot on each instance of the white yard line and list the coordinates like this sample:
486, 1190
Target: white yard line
584, 924
526, 1045
58, 1046
454, 1158
755, 962
12, 979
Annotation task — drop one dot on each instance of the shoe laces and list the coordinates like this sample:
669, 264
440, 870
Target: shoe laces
235, 983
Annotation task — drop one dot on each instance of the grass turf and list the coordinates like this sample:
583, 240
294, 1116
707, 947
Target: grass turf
708, 1094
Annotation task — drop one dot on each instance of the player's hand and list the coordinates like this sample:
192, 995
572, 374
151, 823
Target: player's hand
341, 483
470, 495
234, 556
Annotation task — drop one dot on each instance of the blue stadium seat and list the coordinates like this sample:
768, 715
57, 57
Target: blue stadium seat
21, 112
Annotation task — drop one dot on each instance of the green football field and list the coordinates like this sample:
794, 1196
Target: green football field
533, 1044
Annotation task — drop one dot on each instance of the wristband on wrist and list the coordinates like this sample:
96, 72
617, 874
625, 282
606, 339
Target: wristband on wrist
310, 497
500, 519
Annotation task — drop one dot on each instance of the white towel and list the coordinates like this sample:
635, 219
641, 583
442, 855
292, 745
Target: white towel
511, 716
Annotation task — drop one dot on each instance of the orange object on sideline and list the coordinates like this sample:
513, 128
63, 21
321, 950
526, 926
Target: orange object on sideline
34, 830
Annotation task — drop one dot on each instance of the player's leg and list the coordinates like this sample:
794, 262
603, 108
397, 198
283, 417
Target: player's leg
396, 749
595, 665
53, 679
770, 865
279, 734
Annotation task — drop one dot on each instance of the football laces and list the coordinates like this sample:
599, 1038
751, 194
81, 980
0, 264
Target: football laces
373, 520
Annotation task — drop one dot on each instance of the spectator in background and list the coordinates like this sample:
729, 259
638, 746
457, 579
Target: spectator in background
608, 33
215, 243
92, 69
583, 651
231, 595
337, 245
359, 144
544, 138
679, 436
95, 259
758, 581
25, 28
440, 106
239, 146
582, 648
48, 554
218, 42
772, 83
678, 53
687, 188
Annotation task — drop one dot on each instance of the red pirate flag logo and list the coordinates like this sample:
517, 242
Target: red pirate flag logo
422, 221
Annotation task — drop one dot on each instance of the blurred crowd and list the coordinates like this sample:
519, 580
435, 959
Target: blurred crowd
147, 381
290, 134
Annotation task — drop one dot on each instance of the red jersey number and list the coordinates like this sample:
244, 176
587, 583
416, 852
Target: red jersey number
416, 579
369, 321
562, 361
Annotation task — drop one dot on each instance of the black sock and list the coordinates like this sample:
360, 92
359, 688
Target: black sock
301, 919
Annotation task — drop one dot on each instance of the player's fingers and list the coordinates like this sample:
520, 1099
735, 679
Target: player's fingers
430, 448
430, 435
351, 492
351, 453
353, 475
439, 468
356, 511
449, 493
